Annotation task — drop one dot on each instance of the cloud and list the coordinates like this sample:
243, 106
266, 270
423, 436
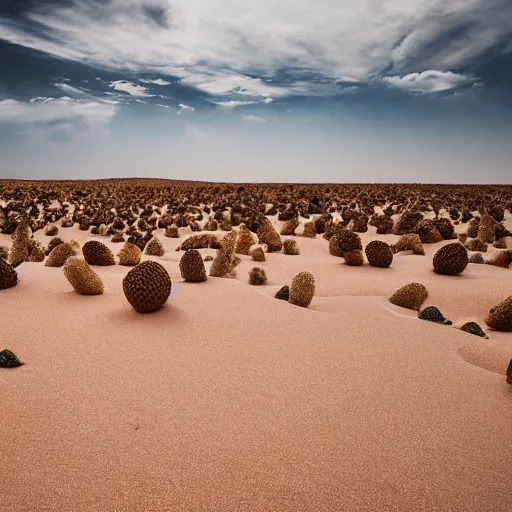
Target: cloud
232, 47
185, 108
254, 119
156, 81
130, 88
56, 110
430, 81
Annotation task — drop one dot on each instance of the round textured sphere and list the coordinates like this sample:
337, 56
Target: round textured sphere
302, 289
192, 267
410, 296
8, 276
451, 259
379, 254
500, 316
147, 286
96, 253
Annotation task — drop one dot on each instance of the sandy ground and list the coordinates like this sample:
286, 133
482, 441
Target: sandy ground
230, 400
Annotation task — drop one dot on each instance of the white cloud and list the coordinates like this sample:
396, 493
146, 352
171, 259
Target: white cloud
162, 106
131, 89
185, 108
52, 110
222, 47
254, 119
156, 81
429, 81
233, 103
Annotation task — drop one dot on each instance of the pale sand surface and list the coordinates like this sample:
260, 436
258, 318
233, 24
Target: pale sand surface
230, 400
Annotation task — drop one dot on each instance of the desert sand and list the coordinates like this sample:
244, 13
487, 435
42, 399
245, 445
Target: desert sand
228, 399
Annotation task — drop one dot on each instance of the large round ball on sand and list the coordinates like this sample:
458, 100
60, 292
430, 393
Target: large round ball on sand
290, 247
257, 277
410, 296
147, 286
302, 289
96, 253
82, 277
451, 259
192, 267
8, 276
500, 316
379, 254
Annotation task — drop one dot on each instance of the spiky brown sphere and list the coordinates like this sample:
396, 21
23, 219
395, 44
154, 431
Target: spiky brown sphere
290, 247
129, 255
353, 258
8, 276
96, 253
154, 248
244, 240
82, 277
410, 296
379, 254
269, 236
192, 267
451, 259
410, 242
343, 241
257, 254
54, 242
302, 289
257, 277
147, 286
60, 254
500, 316
309, 230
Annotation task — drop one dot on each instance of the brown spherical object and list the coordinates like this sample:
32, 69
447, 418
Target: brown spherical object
476, 258
117, 238
290, 247
154, 248
320, 225
257, 277
500, 316
96, 253
451, 259
379, 254
172, 231
410, 242
410, 296
269, 236
147, 286
60, 254
309, 230
129, 255
8, 276
500, 259
54, 242
192, 267
257, 254
302, 289
476, 245
353, 258
244, 240
82, 277
344, 241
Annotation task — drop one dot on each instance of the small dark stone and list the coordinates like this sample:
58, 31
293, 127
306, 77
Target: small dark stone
9, 360
509, 372
432, 314
474, 328
283, 293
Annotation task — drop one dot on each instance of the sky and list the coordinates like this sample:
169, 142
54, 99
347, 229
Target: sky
268, 91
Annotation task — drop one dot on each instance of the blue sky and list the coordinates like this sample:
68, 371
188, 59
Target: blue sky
228, 90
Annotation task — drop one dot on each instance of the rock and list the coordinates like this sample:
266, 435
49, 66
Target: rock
354, 258
344, 241
225, 262
129, 255
257, 254
154, 248
500, 316
257, 277
509, 372
147, 286
309, 230
283, 293
410, 242
379, 254
451, 259
407, 222
192, 267
117, 238
205, 241
60, 254
500, 259
172, 232
445, 228
476, 258
54, 242
302, 289
244, 240
487, 229
4, 252
472, 230
9, 360
82, 277
474, 328
290, 247
37, 252
269, 236
432, 314
500, 243
289, 227
20, 251
8, 276
97, 253
428, 233
475, 244
207, 257
410, 296
51, 231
